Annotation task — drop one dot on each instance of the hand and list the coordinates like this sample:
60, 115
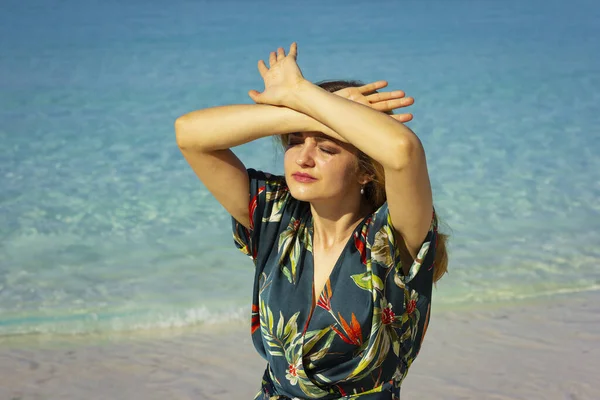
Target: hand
281, 78
384, 101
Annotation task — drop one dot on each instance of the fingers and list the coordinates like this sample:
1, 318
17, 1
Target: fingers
274, 57
383, 96
389, 105
280, 54
254, 95
294, 50
373, 86
262, 68
402, 117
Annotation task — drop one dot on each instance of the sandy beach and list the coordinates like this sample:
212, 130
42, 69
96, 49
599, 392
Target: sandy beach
547, 348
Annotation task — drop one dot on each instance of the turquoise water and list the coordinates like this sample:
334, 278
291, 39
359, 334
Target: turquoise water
104, 227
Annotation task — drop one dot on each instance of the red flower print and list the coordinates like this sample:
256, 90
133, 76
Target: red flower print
352, 333
342, 391
255, 322
252, 206
387, 315
292, 370
359, 242
325, 297
411, 306
296, 224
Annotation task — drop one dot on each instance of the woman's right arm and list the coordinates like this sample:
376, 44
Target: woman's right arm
205, 137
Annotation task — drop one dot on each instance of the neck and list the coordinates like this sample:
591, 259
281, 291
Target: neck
334, 223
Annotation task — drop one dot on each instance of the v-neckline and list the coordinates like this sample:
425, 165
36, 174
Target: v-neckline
315, 299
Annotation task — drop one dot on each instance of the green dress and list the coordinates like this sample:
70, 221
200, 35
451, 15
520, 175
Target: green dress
368, 324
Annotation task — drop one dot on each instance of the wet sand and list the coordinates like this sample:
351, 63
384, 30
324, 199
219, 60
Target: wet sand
544, 349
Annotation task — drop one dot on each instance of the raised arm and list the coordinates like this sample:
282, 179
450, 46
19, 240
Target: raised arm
220, 128
392, 144
376, 134
205, 137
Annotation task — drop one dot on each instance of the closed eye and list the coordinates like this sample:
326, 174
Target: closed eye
294, 141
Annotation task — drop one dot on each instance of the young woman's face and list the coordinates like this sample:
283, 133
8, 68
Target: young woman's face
319, 168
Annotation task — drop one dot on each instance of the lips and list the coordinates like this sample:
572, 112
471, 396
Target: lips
303, 177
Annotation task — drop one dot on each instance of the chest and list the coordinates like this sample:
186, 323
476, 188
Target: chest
324, 262
313, 286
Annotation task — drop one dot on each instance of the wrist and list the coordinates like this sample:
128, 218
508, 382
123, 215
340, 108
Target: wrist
298, 95
296, 121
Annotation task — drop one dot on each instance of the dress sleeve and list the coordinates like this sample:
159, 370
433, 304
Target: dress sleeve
267, 199
385, 252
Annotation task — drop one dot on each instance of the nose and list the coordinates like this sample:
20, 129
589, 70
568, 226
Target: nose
305, 157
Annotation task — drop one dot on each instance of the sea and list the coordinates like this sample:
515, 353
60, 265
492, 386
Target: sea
105, 228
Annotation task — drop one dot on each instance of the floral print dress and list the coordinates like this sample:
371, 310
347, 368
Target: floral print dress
367, 326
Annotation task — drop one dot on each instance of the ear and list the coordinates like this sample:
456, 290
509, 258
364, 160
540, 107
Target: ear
365, 178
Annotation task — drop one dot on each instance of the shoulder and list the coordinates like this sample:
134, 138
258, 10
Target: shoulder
266, 191
266, 178
388, 250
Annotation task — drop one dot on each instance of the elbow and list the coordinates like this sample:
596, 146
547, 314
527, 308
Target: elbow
404, 152
182, 134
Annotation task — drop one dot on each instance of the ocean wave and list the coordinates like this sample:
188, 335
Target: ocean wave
120, 322
502, 297
93, 323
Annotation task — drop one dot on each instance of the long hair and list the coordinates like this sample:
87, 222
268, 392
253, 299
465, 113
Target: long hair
375, 189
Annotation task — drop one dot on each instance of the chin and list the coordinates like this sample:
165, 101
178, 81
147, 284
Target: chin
301, 195
301, 192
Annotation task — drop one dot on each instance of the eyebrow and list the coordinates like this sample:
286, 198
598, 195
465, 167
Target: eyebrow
318, 138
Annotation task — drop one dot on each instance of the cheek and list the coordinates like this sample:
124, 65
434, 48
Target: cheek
338, 172
288, 160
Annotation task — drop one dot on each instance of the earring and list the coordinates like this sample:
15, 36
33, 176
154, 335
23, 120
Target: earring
362, 190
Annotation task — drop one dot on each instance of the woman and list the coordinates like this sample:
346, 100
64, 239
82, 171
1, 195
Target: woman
343, 244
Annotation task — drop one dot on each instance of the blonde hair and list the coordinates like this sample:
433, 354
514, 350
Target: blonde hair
375, 189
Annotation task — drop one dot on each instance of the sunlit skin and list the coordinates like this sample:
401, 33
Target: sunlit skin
395, 147
355, 116
330, 162
335, 189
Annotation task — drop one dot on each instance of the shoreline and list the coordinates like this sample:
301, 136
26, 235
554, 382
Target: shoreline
216, 326
544, 348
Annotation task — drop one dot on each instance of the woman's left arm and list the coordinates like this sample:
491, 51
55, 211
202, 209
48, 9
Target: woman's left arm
376, 134
389, 142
